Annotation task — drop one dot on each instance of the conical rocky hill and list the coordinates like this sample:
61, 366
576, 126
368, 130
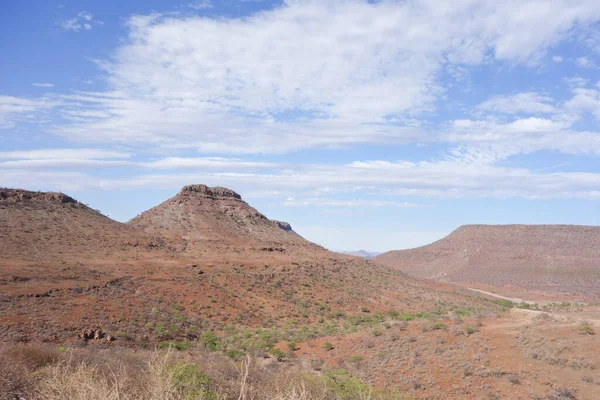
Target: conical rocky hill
205, 218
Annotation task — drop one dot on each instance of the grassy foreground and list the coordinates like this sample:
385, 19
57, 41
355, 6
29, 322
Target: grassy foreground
45, 372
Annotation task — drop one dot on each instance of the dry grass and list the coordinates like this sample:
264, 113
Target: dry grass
40, 373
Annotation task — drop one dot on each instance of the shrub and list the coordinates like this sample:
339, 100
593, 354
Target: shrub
337, 314
406, 317
585, 328
235, 354
210, 340
469, 330
562, 394
345, 386
180, 346
191, 382
279, 355
292, 346
436, 326
327, 346
364, 309
356, 358
524, 305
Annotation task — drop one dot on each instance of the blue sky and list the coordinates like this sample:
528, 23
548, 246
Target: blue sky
378, 125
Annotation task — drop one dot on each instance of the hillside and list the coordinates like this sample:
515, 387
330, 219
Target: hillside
206, 273
52, 226
52, 240
219, 259
547, 258
206, 219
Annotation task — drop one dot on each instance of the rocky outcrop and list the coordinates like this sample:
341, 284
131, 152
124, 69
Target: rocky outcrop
212, 192
19, 195
94, 334
282, 225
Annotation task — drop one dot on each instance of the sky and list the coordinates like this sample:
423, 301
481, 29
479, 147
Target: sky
372, 125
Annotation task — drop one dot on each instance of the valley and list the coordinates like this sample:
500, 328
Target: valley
207, 281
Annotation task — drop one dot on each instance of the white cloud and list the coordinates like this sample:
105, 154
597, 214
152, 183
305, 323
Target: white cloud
82, 21
201, 5
353, 203
526, 103
206, 162
14, 109
63, 163
585, 100
98, 158
308, 74
440, 179
557, 59
585, 62
576, 81
321, 74
52, 154
45, 85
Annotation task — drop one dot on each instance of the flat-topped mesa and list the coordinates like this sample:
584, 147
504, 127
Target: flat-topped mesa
19, 195
283, 225
212, 192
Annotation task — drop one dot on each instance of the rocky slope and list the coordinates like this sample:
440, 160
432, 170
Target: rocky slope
53, 226
203, 218
564, 258
219, 263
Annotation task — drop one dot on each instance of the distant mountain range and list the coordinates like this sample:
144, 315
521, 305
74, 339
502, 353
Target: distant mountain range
361, 253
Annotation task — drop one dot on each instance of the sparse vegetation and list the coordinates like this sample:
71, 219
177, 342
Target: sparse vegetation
327, 346
585, 328
180, 346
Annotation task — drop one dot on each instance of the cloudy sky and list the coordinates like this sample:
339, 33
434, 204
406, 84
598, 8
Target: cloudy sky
365, 124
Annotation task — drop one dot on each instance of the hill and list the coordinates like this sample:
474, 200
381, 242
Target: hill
219, 262
204, 219
547, 258
50, 240
207, 274
46, 226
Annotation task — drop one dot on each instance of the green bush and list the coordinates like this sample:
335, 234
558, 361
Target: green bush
279, 355
292, 346
356, 358
191, 382
235, 354
210, 340
327, 346
180, 346
438, 326
345, 386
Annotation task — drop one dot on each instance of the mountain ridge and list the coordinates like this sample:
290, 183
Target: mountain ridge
541, 257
